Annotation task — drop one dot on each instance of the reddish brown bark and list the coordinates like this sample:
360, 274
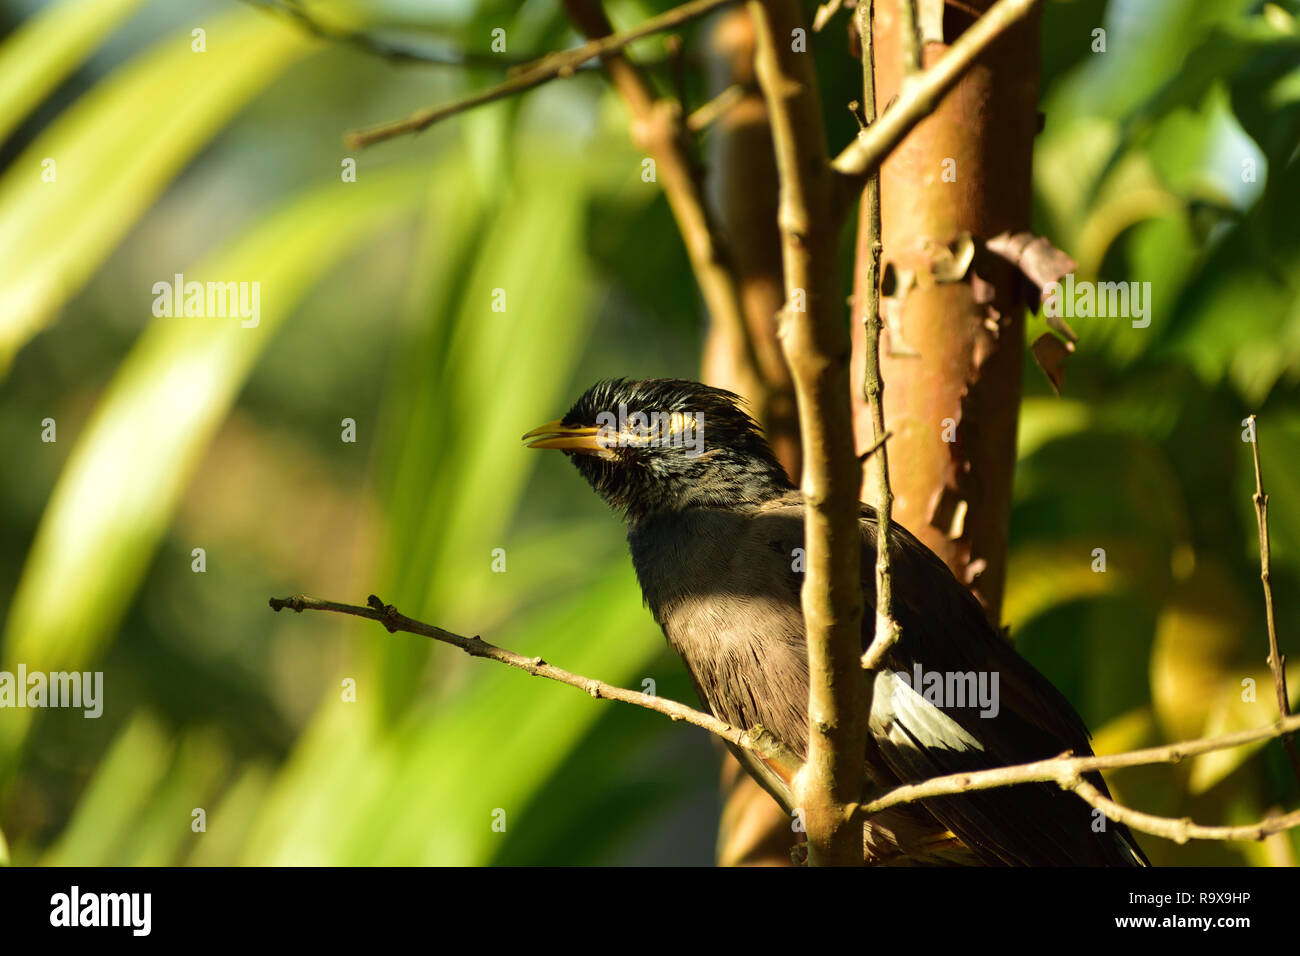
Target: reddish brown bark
966, 370
952, 357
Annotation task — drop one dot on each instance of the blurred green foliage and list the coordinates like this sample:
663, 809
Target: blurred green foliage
1171, 158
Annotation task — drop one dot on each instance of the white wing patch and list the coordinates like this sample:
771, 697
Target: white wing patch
906, 718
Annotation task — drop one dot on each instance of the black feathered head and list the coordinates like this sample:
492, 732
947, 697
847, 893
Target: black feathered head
664, 445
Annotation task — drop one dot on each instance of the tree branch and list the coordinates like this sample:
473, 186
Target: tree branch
874, 447
757, 739
703, 117
741, 190
1185, 828
527, 77
922, 92
825, 11
816, 347
1066, 771
873, 387
1276, 659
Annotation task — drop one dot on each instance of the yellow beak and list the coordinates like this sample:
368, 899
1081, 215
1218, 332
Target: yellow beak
556, 434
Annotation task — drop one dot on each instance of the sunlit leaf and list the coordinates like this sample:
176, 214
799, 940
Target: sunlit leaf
1199, 641
512, 342
424, 793
119, 488
47, 47
1236, 706
122, 785
1043, 576
135, 130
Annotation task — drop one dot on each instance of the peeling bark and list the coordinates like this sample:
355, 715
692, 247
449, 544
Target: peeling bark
953, 350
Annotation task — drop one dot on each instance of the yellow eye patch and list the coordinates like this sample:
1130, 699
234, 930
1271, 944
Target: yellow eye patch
659, 427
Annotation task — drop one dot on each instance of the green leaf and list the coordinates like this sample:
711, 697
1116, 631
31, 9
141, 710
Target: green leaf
1230, 713
467, 390
1045, 575
1260, 65
428, 790
47, 47
1239, 316
114, 151
117, 492
121, 787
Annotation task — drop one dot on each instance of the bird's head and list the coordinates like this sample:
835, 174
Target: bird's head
664, 445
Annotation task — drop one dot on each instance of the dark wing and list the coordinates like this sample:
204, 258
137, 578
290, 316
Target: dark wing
945, 632
723, 587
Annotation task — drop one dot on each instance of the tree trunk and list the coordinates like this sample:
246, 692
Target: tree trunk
968, 334
952, 348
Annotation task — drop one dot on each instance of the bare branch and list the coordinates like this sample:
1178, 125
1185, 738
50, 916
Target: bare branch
1066, 771
715, 108
548, 68
756, 739
886, 632
816, 346
1276, 659
1182, 829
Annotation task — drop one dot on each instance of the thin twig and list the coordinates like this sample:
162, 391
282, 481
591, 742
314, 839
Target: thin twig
815, 342
876, 445
715, 108
548, 68
756, 739
1276, 659
825, 11
886, 632
1065, 770
922, 95
1181, 829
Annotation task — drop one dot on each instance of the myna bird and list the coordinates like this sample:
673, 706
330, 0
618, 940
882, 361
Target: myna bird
716, 533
